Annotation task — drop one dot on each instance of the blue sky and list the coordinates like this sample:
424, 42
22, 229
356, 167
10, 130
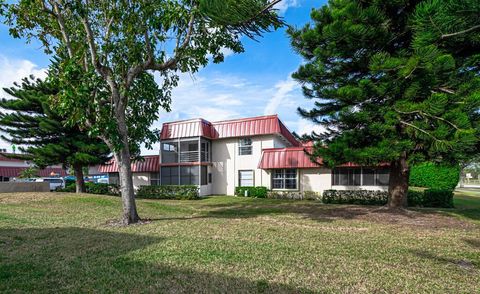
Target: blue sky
257, 82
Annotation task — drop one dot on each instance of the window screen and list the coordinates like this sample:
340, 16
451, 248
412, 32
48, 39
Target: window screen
245, 178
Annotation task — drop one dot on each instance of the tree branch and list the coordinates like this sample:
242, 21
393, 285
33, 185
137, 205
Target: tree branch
61, 24
429, 115
420, 130
444, 36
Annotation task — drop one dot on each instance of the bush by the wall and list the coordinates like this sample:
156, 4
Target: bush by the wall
257, 192
94, 188
438, 198
434, 176
364, 197
415, 198
178, 192
294, 195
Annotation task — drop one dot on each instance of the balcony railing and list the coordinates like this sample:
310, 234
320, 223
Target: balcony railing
189, 156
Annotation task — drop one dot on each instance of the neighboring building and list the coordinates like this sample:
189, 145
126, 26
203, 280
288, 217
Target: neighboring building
145, 171
11, 168
258, 151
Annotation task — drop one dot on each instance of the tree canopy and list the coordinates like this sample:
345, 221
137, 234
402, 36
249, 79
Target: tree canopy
28, 120
388, 87
110, 50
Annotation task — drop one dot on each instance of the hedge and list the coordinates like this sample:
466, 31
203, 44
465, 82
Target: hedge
364, 197
434, 176
94, 188
257, 192
428, 198
178, 192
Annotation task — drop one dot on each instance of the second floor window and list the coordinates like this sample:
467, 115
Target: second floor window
245, 146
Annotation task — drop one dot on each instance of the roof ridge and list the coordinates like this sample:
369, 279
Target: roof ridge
246, 118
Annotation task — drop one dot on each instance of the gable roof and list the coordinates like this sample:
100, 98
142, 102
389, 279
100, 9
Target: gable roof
253, 126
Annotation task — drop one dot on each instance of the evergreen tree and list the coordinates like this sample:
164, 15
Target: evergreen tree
29, 121
384, 91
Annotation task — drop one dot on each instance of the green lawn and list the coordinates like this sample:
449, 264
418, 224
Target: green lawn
68, 243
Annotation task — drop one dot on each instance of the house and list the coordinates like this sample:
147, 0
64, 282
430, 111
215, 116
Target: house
145, 171
257, 151
11, 168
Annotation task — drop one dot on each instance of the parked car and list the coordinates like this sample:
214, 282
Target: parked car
54, 182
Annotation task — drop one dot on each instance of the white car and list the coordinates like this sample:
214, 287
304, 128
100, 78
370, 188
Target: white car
54, 182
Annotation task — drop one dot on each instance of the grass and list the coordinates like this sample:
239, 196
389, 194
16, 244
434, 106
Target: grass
65, 243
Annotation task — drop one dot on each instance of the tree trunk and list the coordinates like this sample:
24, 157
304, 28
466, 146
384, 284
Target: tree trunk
79, 181
130, 214
398, 187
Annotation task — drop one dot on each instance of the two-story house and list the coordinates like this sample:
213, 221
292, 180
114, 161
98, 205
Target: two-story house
258, 151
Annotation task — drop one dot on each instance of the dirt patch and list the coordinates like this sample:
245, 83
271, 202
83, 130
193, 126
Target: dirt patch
401, 217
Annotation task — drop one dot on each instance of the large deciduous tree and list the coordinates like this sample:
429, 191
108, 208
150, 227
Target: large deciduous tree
28, 119
111, 48
389, 86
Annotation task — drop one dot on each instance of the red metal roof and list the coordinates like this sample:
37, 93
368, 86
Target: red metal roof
150, 163
293, 157
14, 171
254, 126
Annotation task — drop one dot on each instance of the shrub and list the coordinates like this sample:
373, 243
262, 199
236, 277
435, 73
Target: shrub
70, 188
438, 198
290, 195
94, 188
179, 192
257, 192
435, 176
355, 197
415, 198
102, 189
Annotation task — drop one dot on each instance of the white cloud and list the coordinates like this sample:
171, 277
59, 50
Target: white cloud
14, 70
283, 91
285, 4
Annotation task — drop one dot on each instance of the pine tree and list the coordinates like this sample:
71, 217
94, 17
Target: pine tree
29, 121
383, 92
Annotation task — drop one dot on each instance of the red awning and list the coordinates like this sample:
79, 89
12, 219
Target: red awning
263, 125
149, 163
14, 171
294, 157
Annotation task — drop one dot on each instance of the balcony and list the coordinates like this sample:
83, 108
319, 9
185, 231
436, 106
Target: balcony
186, 151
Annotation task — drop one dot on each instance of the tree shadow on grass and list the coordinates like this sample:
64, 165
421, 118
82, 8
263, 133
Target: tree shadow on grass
87, 260
316, 211
461, 263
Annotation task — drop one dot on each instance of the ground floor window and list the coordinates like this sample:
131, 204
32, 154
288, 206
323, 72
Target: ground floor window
360, 177
284, 179
245, 178
183, 175
154, 179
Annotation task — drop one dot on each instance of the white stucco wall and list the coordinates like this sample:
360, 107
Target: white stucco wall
317, 180
371, 188
226, 163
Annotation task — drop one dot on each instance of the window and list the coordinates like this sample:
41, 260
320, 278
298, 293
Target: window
368, 177
245, 178
284, 179
383, 177
347, 177
205, 151
170, 152
245, 146
189, 151
360, 177
204, 175
154, 179
170, 175
189, 175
